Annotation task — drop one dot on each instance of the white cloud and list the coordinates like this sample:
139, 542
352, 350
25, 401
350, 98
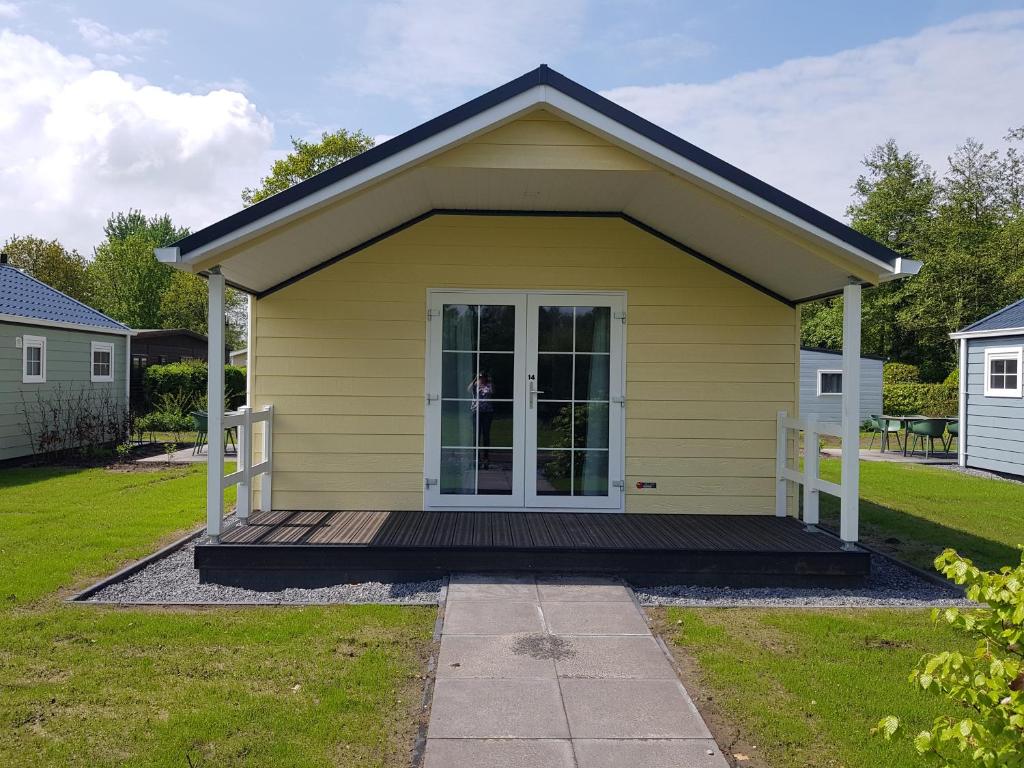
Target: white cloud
77, 143
426, 52
9, 10
805, 125
117, 49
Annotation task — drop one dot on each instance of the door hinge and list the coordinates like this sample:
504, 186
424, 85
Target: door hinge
432, 313
431, 398
620, 316
621, 484
620, 399
429, 481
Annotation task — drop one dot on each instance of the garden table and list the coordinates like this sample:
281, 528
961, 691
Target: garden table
906, 420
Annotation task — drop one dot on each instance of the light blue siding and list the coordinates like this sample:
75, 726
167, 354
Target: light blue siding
830, 407
995, 425
68, 361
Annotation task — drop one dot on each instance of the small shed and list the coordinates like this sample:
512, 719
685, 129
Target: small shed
157, 346
991, 402
54, 347
821, 384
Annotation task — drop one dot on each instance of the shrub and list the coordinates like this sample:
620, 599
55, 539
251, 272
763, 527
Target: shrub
900, 373
65, 417
986, 688
924, 399
953, 379
187, 380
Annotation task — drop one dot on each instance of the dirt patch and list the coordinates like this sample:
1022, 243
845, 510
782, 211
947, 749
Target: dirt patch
542, 646
739, 749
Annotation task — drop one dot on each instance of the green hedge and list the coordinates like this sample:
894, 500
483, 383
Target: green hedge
923, 399
900, 373
187, 381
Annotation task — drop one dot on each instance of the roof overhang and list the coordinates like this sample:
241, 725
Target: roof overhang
686, 196
987, 334
20, 320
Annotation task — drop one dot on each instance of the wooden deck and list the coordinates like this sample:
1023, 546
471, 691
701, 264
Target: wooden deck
308, 548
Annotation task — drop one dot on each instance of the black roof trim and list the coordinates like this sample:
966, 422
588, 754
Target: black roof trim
548, 214
543, 75
826, 351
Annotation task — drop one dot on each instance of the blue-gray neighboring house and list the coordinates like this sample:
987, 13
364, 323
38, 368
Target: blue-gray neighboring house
59, 358
991, 401
821, 385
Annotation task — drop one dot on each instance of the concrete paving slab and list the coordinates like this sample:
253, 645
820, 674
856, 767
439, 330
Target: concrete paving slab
582, 589
492, 656
649, 753
623, 657
468, 586
498, 753
497, 709
631, 709
600, 618
491, 617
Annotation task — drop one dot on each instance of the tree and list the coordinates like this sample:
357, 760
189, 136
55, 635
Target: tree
128, 282
308, 159
184, 305
51, 262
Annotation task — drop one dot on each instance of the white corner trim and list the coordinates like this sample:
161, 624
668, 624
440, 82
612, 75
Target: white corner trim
818, 382
169, 255
101, 346
961, 440
993, 354
33, 342
987, 334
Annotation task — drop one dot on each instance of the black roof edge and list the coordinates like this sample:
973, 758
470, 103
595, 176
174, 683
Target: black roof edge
826, 351
989, 317
542, 75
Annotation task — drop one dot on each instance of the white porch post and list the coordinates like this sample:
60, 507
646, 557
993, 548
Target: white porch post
849, 522
215, 405
961, 438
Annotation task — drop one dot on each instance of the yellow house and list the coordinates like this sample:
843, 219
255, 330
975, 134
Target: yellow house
534, 327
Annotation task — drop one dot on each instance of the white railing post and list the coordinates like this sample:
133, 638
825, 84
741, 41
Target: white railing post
266, 489
215, 406
811, 459
244, 498
781, 452
849, 509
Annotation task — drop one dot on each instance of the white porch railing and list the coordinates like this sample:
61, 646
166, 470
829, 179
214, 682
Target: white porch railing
244, 419
810, 479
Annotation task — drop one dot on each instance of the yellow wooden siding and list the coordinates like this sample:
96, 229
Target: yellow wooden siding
341, 356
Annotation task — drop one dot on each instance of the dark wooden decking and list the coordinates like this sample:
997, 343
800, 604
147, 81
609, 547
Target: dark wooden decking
314, 548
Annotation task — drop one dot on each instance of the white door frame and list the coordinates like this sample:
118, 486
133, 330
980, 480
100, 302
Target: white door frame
524, 447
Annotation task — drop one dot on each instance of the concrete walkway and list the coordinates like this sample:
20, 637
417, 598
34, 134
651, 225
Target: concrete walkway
895, 457
557, 674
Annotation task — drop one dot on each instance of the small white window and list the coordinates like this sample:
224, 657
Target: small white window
33, 359
102, 361
1003, 372
830, 383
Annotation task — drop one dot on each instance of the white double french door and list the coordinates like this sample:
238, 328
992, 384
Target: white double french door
525, 400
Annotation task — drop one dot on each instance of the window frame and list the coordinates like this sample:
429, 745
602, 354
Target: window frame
100, 346
830, 370
33, 342
993, 354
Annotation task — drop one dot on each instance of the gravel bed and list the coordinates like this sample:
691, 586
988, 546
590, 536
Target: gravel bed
984, 474
173, 579
889, 585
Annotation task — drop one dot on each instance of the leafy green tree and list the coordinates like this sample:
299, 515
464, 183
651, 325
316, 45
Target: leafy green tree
51, 262
308, 159
183, 304
128, 282
157, 229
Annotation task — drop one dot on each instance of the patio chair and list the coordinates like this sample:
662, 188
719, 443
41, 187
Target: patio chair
927, 429
952, 433
199, 424
883, 428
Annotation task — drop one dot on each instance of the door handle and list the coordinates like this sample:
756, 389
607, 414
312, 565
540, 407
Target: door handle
534, 391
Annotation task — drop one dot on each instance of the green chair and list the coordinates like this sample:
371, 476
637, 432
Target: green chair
199, 424
883, 428
952, 432
927, 429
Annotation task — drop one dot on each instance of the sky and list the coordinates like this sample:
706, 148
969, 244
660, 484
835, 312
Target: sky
177, 106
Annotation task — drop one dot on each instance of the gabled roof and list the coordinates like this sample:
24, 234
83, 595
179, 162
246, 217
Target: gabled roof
767, 236
23, 298
1009, 318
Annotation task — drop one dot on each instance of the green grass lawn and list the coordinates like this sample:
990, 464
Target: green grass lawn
93, 686
806, 687
915, 511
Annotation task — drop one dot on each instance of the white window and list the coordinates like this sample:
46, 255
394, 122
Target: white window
33, 359
1003, 372
102, 361
830, 383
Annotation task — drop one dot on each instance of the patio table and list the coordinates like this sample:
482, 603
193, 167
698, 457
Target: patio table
905, 422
